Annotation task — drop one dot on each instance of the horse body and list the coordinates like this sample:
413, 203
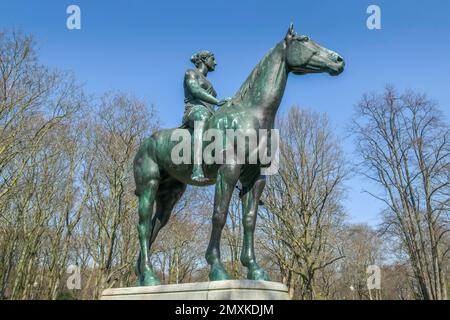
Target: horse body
160, 183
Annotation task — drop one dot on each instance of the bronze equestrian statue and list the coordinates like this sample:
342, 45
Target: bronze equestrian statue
160, 183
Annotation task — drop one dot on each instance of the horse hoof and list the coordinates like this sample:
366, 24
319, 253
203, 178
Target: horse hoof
258, 274
218, 273
150, 279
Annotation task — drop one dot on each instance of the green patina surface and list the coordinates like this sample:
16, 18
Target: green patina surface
159, 181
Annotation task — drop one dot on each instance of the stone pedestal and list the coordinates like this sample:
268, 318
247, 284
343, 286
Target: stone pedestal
214, 290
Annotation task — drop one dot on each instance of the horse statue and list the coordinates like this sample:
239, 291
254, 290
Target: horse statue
160, 183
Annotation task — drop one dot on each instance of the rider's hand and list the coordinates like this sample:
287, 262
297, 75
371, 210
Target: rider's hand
224, 101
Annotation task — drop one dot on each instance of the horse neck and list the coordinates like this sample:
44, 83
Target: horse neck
264, 88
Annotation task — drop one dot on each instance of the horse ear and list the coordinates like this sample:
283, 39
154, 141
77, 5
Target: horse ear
290, 32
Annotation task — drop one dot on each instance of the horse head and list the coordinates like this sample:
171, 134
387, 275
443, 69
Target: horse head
303, 56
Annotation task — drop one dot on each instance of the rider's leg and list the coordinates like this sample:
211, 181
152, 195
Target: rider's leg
197, 170
199, 118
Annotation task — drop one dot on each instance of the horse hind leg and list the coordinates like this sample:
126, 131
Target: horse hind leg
146, 174
165, 197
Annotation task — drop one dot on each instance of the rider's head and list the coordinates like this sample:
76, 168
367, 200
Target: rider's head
204, 57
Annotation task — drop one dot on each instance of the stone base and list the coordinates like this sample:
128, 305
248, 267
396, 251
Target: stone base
214, 290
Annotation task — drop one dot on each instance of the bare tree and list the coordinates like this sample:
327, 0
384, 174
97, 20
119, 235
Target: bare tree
303, 201
404, 148
363, 247
33, 99
37, 107
118, 127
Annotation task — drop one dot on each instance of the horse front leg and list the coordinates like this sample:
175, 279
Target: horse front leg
250, 202
227, 178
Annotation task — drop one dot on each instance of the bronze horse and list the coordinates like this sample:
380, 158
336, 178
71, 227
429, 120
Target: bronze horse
160, 183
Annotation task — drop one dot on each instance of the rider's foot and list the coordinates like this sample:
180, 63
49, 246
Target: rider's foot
199, 178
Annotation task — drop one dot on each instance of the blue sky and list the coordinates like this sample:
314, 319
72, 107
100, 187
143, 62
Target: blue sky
143, 47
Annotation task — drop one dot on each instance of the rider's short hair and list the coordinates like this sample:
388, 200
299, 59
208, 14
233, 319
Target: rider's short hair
201, 56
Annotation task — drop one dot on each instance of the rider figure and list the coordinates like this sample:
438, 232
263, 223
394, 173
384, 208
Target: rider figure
200, 98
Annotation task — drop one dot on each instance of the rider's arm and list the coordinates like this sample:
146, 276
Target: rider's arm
197, 91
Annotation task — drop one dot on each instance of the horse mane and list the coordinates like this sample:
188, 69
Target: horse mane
247, 85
